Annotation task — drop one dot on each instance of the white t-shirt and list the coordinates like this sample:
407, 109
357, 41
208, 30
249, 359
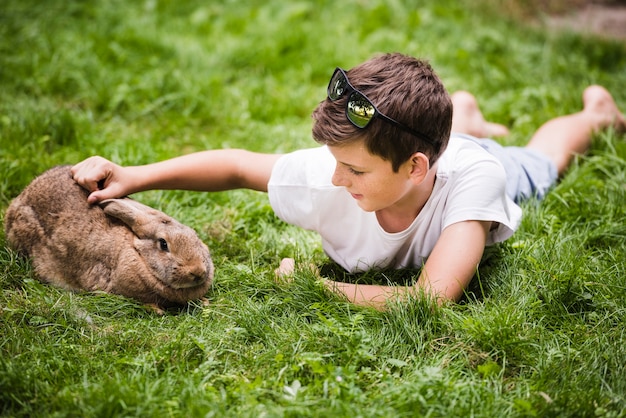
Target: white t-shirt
470, 185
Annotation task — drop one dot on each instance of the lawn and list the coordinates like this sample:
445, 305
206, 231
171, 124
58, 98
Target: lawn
541, 331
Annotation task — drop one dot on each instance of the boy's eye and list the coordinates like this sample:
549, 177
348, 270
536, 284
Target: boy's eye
355, 172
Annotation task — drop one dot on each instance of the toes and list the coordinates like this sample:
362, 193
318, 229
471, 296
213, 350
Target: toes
495, 130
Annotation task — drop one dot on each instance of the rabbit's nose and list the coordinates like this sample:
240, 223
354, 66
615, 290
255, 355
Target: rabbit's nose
199, 278
199, 275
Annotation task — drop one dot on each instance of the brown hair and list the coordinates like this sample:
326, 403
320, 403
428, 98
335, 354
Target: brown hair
403, 88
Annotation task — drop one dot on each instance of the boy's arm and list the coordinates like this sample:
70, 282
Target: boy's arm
210, 171
447, 272
202, 171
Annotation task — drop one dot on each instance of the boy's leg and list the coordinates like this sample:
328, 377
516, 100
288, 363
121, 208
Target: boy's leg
563, 137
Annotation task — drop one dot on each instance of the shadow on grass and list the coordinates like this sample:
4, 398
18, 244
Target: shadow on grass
476, 291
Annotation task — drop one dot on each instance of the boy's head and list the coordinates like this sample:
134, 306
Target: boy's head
402, 88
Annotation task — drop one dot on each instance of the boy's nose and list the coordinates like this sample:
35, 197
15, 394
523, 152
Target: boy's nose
337, 179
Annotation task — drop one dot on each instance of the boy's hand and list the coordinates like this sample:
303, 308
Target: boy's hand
286, 268
100, 177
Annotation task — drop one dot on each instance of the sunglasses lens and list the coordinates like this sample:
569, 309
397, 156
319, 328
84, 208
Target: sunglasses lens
337, 85
359, 110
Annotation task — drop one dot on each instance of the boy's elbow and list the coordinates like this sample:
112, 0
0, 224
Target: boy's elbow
254, 170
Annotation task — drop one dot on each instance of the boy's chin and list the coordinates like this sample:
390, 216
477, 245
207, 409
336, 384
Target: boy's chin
365, 207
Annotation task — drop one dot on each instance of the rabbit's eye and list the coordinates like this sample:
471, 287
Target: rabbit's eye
163, 245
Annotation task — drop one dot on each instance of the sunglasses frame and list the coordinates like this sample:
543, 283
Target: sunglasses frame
355, 95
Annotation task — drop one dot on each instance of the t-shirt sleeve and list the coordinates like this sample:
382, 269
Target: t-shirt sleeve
478, 192
293, 183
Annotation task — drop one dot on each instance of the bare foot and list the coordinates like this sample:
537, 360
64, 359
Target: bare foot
495, 129
599, 103
467, 118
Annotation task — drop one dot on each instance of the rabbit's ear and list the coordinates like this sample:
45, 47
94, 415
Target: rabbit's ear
132, 213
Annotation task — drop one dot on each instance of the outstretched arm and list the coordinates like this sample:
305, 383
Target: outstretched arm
446, 274
213, 170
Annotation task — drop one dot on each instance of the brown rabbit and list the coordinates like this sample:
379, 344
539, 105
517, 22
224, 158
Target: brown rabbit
119, 246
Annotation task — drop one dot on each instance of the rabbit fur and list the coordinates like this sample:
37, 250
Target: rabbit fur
119, 246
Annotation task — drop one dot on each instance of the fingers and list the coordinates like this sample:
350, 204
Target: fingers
286, 268
98, 176
100, 195
285, 271
90, 172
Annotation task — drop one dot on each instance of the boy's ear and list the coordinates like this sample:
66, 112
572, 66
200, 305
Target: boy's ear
419, 166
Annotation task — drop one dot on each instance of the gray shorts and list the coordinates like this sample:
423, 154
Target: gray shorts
529, 173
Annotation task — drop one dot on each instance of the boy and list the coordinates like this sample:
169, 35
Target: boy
390, 187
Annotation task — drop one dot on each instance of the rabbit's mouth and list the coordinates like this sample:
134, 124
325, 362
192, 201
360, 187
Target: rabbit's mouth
189, 276
192, 280
188, 284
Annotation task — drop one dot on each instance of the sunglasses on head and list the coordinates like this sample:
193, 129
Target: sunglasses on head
359, 109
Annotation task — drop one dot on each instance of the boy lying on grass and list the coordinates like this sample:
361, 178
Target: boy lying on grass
390, 186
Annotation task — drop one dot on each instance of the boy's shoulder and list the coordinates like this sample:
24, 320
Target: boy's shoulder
312, 166
465, 164
465, 151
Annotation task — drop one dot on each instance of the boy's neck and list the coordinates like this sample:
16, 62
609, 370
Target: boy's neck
401, 215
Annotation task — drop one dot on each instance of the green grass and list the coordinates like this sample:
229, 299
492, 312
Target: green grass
540, 333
